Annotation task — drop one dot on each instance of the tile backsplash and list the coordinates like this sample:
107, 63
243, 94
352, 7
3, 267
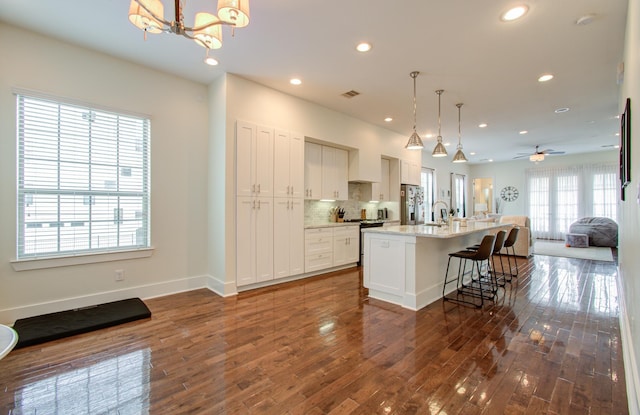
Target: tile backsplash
316, 211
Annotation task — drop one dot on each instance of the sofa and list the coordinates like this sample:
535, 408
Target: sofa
524, 244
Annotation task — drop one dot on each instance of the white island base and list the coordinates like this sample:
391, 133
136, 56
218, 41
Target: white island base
406, 265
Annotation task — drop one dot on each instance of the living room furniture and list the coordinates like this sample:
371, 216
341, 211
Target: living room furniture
576, 240
524, 243
601, 231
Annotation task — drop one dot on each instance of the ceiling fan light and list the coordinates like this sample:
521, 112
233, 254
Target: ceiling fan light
211, 36
414, 143
536, 157
439, 150
235, 12
144, 20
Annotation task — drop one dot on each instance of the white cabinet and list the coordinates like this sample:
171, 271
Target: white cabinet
318, 249
254, 160
312, 171
288, 165
335, 173
254, 240
346, 248
409, 172
380, 192
288, 237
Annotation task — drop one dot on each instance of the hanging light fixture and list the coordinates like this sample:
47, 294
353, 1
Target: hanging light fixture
148, 15
414, 143
459, 156
439, 150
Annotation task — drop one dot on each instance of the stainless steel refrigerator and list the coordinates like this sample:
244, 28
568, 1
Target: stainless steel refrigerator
411, 205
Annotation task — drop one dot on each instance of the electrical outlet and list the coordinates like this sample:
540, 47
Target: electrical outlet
119, 275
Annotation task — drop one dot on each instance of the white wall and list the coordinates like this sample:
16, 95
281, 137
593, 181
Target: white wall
512, 173
629, 260
179, 142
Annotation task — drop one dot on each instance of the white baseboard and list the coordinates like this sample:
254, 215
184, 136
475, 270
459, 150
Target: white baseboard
10, 315
628, 353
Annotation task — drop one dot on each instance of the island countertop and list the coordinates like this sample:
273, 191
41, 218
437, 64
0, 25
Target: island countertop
430, 231
407, 264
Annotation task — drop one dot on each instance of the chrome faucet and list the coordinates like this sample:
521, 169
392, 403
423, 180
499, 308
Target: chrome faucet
440, 220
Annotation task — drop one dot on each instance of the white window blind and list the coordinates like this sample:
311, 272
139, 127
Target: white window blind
83, 179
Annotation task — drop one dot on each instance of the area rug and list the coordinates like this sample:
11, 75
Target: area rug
593, 253
47, 327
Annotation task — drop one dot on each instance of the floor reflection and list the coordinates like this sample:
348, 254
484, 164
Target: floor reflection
117, 385
564, 282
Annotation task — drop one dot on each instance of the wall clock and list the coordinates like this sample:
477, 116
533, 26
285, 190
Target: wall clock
509, 194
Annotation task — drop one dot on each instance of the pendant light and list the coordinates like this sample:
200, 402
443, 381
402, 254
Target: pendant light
439, 150
459, 156
414, 143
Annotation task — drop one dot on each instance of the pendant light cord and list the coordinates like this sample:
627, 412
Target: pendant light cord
414, 75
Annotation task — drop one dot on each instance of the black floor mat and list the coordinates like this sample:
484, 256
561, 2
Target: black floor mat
40, 329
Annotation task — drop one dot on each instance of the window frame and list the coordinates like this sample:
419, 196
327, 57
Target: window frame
139, 191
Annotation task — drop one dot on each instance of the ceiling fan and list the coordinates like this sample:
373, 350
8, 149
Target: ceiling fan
538, 155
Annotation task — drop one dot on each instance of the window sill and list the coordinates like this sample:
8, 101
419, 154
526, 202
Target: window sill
41, 263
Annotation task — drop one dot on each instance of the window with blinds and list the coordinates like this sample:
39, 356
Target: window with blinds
83, 179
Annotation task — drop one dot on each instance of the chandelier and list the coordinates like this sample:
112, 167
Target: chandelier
414, 143
148, 15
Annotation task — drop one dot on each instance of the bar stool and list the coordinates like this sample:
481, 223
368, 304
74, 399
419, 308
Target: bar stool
509, 243
497, 247
476, 284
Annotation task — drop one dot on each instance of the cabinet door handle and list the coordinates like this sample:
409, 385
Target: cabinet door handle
291, 189
253, 204
258, 204
287, 189
258, 188
253, 188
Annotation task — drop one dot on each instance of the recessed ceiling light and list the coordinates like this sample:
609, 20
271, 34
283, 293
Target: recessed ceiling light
473, 153
617, 134
490, 160
428, 135
295, 81
523, 132
447, 144
211, 61
561, 110
483, 125
546, 77
514, 13
388, 119
363, 47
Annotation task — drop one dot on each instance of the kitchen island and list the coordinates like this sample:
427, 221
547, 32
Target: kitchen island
406, 264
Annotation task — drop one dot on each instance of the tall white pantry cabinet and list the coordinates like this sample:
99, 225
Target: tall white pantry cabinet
269, 203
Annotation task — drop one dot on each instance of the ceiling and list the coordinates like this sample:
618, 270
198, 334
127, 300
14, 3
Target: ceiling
460, 46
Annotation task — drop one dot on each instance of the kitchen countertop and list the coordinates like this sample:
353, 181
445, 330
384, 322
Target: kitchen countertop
354, 223
427, 231
330, 225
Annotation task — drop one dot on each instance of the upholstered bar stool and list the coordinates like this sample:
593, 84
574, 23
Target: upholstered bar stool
509, 243
474, 283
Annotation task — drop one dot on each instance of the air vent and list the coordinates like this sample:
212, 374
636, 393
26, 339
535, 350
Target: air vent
351, 94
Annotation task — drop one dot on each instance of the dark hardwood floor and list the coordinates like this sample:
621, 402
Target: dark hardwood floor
320, 346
